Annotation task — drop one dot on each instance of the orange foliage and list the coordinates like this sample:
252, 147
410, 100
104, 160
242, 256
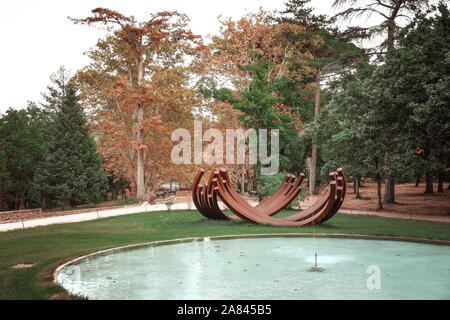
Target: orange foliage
139, 66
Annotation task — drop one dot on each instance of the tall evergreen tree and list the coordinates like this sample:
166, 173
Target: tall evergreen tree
71, 173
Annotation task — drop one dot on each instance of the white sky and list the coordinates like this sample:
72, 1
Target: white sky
36, 37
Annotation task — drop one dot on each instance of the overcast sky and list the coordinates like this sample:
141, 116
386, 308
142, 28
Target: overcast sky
37, 37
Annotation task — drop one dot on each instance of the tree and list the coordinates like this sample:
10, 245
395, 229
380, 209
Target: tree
408, 95
125, 68
117, 185
238, 42
23, 145
260, 107
351, 127
329, 53
416, 75
392, 12
71, 174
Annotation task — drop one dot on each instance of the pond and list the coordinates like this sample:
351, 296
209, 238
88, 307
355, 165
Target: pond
264, 268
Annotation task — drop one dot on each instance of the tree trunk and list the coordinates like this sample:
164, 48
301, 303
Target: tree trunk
357, 183
140, 133
354, 185
429, 183
251, 187
243, 181
441, 182
389, 188
389, 193
21, 204
380, 203
312, 172
418, 180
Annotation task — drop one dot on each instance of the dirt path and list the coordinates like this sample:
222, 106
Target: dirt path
410, 201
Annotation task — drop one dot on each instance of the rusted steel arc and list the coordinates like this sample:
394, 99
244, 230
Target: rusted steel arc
317, 218
212, 198
277, 205
202, 202
224, 195
316, 207
339, 198
283, 196
212, 201
205, 199
199, 199
248, 213
207, 207
213, 208
195, 195
341, 189
215, 199
283, 183
332, 211
245, 211
302, 215
287, 182
342, 183
226, 180
197, 179
290, 195
274, 200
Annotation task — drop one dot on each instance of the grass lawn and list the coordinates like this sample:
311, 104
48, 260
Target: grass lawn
48, 247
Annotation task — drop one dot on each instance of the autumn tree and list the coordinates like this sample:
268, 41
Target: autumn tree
137, 87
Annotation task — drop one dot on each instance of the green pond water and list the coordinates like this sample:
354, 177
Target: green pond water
265, 268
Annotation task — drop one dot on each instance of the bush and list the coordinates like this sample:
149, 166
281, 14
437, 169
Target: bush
270, 184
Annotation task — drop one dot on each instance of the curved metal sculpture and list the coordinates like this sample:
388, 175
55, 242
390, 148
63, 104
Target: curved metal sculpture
219, 186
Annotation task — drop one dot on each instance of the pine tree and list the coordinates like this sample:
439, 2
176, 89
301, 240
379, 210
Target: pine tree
71, 173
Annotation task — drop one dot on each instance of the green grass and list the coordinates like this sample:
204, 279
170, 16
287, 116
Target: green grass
48, 247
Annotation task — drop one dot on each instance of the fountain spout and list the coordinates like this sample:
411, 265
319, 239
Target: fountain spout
316, 268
